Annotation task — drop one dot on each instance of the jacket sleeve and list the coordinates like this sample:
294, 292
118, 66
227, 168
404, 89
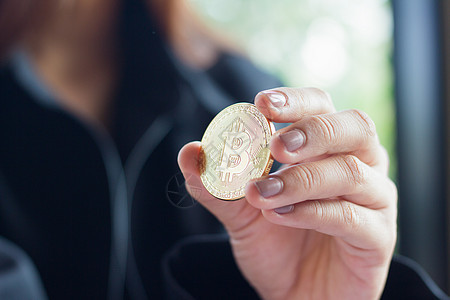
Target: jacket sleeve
18, 276
202, 267
408, 280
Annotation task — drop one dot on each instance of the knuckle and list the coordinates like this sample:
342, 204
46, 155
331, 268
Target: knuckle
317, 208
367, 123
354, 169
392, 190
307, 176
323, 126
319, 211
309, 99
393, 236
349, 214
384, 157
392, 233
327, 97
321, 94
303, 101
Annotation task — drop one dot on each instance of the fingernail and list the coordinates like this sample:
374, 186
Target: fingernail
269, 187
276, 98
284, 209
293, 140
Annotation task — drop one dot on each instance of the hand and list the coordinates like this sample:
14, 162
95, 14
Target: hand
324, 226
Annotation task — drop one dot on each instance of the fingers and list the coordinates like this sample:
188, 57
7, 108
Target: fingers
343, 176
338, 196
355, 224
317, 131
350, 131
287, 105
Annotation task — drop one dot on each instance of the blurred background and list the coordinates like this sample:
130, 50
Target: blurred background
343, 47
388, 58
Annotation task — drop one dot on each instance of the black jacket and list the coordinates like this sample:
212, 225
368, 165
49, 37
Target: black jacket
91, 207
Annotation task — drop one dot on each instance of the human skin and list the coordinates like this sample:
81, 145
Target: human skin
339, 246
326, 228
74, 47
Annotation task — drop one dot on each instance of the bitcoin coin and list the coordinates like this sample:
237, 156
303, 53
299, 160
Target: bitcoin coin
235, 149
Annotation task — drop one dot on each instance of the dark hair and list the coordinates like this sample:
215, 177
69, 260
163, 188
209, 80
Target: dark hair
18, 17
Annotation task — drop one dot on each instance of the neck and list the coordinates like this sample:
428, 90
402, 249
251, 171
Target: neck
74, 54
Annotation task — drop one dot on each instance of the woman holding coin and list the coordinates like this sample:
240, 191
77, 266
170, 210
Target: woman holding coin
325, 224
96, 99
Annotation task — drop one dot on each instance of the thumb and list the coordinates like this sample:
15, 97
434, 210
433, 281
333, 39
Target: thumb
228, 212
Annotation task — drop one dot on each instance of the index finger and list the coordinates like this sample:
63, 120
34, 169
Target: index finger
288, 105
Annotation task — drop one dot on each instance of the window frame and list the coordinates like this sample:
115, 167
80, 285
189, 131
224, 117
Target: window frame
421, 134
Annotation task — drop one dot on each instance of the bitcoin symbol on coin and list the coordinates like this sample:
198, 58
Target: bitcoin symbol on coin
235, 150
235, 157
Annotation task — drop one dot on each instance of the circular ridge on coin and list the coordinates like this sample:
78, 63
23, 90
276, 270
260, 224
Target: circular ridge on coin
235, 149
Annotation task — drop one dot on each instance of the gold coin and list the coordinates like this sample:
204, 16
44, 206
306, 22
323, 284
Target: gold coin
235, 150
